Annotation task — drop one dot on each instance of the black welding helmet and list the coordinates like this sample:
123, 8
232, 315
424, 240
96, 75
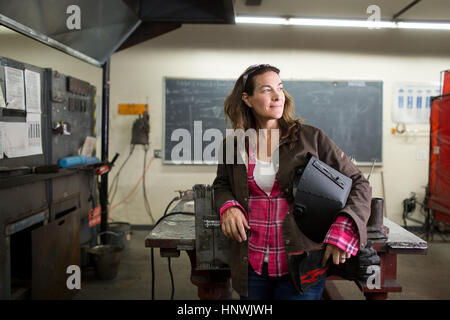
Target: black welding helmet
320, 192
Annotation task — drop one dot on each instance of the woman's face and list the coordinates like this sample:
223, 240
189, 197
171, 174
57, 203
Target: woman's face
267, 101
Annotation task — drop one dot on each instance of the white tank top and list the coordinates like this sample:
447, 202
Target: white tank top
264, 174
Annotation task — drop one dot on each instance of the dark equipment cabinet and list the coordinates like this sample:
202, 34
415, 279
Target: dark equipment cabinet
44, 217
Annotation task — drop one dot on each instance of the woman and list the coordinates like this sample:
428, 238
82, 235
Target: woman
254, 196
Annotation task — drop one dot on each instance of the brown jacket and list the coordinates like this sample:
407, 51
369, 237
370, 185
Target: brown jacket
231, 183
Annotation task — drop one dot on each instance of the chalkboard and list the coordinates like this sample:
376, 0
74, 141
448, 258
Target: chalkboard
349, 112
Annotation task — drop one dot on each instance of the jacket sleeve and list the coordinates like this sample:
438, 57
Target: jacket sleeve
231, 203
222, 185
359, 199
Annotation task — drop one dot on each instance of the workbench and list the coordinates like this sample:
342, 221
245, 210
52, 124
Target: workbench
177, 232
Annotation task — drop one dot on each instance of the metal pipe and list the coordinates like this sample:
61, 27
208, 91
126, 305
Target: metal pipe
384, 193
409, 6
105, 142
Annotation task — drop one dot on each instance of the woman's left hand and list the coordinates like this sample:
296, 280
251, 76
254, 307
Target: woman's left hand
339, 256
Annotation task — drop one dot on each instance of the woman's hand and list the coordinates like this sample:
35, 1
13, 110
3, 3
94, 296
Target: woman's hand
234, 224
339, 256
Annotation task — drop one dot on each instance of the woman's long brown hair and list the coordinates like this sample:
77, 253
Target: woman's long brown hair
241, 116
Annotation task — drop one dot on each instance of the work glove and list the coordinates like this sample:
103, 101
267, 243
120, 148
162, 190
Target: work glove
355, 268
306, 270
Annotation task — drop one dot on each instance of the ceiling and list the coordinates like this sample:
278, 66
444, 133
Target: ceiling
429, 10
113, 25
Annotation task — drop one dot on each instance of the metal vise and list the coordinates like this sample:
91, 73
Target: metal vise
212, 247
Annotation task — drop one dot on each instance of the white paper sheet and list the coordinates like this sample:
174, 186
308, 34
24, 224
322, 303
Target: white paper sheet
411, 101
33, 91
22, 139
34, 133
15, 136
15, 89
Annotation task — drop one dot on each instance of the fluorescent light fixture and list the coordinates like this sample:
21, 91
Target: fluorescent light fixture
341, 23
352, 23
261, 20
424, 25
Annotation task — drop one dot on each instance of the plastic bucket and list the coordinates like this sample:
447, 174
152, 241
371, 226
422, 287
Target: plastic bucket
120, 235
107, 261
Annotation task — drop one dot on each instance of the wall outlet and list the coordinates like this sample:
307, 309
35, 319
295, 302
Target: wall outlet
157, 153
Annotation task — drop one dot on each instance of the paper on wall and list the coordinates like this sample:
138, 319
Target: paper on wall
15, 89
34, 133
33, 91
411, 101
22, 139
15, 139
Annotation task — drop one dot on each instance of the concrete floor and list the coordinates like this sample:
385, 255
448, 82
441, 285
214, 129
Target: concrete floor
422, 277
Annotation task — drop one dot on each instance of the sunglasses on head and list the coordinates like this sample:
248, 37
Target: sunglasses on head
251, 70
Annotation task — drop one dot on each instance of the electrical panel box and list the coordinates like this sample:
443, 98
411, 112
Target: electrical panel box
72, 108
212, 247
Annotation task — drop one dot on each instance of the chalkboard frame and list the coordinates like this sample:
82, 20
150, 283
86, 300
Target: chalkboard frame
378, 162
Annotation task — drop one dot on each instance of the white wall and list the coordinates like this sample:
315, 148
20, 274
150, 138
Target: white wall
205, 51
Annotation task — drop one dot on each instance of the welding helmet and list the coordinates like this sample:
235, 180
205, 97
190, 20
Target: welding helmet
320, 192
